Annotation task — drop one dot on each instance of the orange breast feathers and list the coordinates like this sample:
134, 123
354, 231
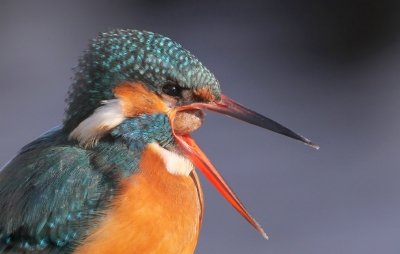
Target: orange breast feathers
156, 212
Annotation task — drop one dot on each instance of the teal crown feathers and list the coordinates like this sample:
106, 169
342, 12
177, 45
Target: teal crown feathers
131, 55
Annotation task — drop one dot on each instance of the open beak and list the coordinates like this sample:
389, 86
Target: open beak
231, 108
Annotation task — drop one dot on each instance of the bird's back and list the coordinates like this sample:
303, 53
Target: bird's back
53, 192
56, 197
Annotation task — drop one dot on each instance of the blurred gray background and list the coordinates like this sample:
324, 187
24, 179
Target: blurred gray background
329, 70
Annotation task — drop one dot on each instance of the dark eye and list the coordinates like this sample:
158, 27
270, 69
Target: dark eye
172, 89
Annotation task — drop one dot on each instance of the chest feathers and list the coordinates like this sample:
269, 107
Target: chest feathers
159, 209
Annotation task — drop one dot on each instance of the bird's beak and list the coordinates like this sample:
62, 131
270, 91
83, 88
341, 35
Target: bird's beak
200, 160
231, 108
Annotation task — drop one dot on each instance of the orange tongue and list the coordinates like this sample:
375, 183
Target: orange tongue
200, 160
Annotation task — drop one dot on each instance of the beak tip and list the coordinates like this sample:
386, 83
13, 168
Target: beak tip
259, 229
309, 143
264, 235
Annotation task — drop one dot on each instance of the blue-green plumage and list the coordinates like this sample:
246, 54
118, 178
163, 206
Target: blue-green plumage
54, 191
130, 55
47, 191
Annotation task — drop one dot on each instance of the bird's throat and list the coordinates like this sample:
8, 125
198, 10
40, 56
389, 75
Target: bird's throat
187, 121
175, 163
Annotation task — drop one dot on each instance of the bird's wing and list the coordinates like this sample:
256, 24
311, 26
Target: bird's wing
48, 198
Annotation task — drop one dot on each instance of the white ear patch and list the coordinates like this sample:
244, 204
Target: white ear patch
103, 119
176, 164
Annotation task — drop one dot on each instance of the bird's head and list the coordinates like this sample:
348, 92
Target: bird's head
126, 74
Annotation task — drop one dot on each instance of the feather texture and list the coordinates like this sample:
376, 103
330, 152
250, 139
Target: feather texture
57, 191
54, 193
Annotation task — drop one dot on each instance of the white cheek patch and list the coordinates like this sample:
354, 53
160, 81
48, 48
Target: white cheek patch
175, 164
103, 119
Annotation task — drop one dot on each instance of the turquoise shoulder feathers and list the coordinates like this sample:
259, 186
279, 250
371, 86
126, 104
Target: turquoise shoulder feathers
53, 192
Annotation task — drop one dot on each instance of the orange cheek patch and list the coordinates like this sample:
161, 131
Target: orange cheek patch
137, 100
205, 93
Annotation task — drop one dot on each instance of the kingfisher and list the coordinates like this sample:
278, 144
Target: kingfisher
119, 175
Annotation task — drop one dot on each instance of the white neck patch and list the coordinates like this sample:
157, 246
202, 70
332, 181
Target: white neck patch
175, 164
103, 119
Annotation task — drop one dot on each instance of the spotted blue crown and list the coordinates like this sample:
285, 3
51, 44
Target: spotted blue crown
130, 55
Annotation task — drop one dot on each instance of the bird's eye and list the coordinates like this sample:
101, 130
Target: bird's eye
172, 89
